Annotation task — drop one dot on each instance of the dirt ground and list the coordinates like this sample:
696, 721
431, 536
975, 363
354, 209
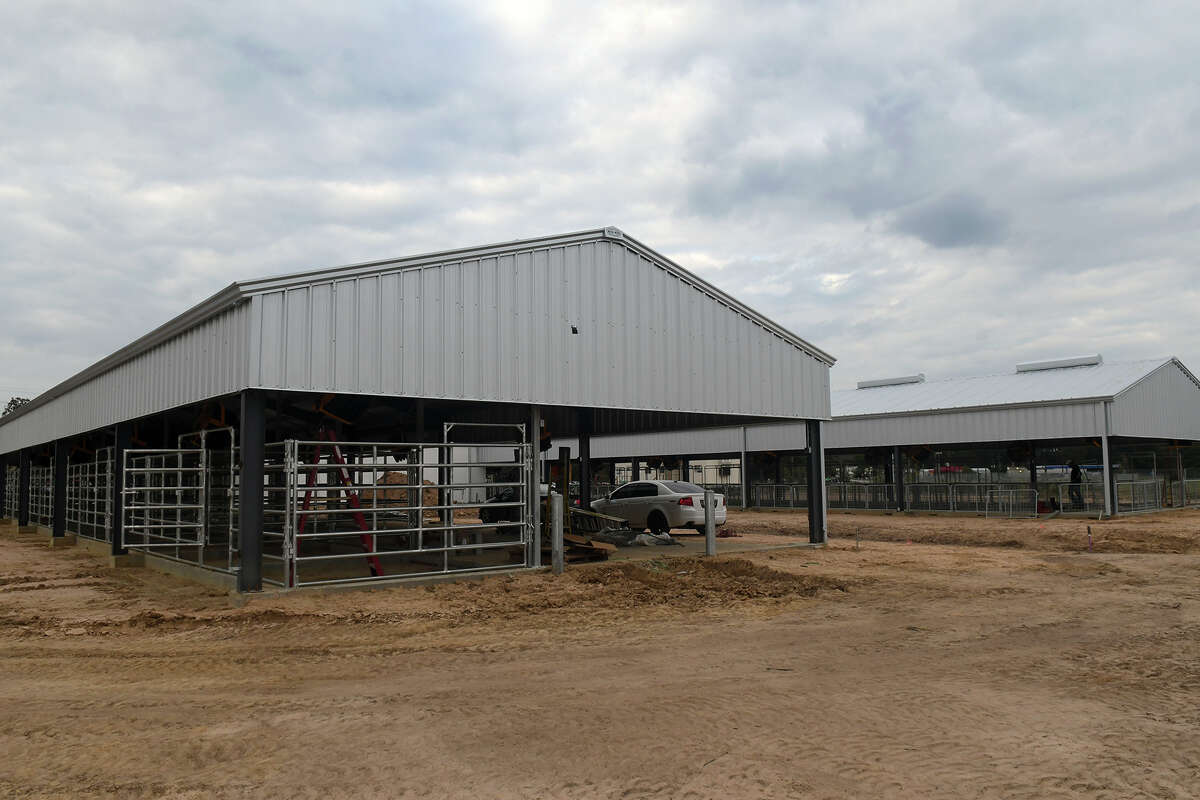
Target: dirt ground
1165, 532
886, 670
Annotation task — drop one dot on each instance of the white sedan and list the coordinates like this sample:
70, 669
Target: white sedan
660, 505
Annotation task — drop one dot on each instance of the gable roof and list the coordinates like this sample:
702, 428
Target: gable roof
1064, 385
234, 299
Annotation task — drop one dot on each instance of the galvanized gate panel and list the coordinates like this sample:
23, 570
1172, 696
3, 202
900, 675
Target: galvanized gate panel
164, 501
353, 512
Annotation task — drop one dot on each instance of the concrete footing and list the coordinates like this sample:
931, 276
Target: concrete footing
127, 560
93, 546
206, 577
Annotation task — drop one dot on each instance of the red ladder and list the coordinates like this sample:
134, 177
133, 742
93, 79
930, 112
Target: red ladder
343, 474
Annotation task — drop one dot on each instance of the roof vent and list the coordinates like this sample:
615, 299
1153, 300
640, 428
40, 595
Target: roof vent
918, 378
1061, 363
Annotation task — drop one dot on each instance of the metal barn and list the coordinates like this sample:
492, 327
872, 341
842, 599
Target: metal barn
350, 424
996, 443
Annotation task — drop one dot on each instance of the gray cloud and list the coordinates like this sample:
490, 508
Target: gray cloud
947, 190
958, 220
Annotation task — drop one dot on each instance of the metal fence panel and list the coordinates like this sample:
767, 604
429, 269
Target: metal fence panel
929, 497
1010, 501
11, 491
89, 496
866, 496
1086, 498
164, 502
41, 495
1137, 496
355, 512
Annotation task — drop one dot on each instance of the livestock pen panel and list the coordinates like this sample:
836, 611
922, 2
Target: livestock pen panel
349, 512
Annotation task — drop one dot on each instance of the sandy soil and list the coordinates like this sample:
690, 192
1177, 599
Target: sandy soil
1165, 532
888, 671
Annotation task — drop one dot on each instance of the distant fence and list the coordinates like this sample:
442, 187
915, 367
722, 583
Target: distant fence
866, 496
779, 495
1081, 498
1135, 496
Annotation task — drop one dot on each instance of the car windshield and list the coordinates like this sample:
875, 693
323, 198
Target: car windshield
680, 487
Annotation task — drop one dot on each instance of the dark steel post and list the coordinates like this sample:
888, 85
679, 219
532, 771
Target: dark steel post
252, 432
816, 483
122, 438
564, 474
636, 472
59, 515
585, 469
23, 466
898, 474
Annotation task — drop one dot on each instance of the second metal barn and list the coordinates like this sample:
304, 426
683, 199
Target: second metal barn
350, 424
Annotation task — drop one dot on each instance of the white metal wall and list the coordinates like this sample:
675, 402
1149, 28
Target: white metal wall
1166, 404
981, 425
205, 361
709, 441
499, 329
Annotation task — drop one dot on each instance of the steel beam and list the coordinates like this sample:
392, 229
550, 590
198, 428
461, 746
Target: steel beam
122, 438
252, 434
58, 516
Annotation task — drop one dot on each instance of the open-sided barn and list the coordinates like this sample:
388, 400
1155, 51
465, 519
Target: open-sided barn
1076, 435
263, 433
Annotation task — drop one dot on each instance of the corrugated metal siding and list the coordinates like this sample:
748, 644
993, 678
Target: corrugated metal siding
777, 436
698, 442
205, 361
983, 425
499, 329
1164, 405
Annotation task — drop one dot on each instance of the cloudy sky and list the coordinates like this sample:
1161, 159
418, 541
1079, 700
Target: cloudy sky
927, 186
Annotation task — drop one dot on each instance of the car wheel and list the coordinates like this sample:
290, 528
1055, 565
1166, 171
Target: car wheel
657, 522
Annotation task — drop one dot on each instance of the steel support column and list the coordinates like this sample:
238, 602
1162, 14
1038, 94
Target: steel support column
122, 438
3, 486
564, 474
535, 483
252, 433
817, 533
744, 471
585, 459
898, 475
58, 516
23, 466
1180, 501
636, 472
1109, 498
